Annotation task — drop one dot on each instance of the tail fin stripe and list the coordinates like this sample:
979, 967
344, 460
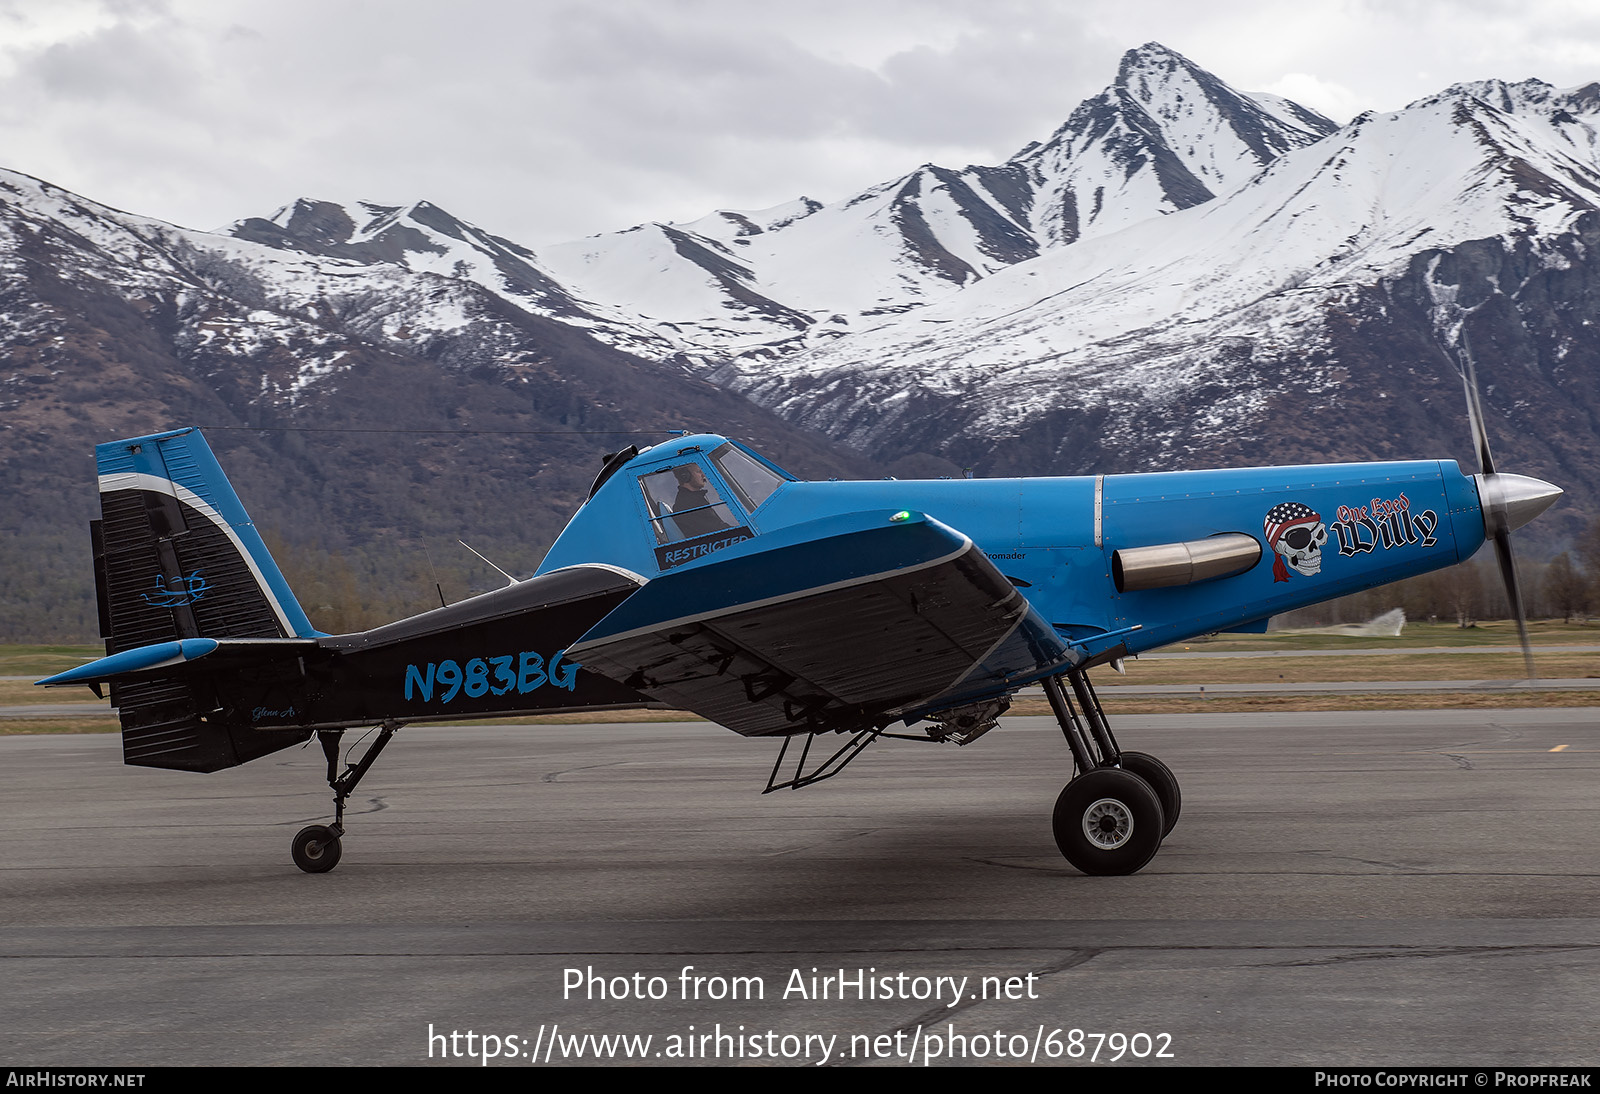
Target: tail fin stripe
137, 480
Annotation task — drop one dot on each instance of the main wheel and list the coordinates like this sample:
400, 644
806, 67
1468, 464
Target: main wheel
1108, 821
1161, 780
316, 849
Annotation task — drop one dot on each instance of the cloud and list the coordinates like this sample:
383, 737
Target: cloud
549, 119
1327, 98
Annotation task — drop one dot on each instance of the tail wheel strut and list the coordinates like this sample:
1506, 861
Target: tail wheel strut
317, 848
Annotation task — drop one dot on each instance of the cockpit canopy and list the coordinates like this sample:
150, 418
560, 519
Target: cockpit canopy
679, 501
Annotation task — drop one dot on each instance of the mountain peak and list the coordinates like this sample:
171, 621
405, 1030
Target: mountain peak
1165, 135
1152, 66
1501, 94
1151, 54
360, 231
1530, 96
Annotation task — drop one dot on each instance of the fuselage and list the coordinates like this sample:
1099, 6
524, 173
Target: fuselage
1359, 525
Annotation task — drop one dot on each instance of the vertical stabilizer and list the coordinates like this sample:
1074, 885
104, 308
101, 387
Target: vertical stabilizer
177, 557
181, 553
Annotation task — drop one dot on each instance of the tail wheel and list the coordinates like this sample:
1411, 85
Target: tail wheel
1108, 822
316, 849
1161, 780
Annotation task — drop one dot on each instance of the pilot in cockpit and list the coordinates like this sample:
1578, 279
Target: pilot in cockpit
691, 509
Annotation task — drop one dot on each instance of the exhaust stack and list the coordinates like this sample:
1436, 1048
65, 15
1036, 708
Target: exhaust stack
1170, 564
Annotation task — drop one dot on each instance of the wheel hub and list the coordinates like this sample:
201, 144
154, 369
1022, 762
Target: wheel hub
1108, 824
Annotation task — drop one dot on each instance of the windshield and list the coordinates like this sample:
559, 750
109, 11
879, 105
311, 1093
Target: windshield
753, 482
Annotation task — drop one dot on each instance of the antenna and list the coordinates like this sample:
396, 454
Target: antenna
435, 573
509, 579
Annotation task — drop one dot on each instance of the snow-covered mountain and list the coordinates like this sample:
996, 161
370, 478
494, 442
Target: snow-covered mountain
1317, 291
1166, 135
764, 284
1182, 273
297, 316
276, 317
421, 407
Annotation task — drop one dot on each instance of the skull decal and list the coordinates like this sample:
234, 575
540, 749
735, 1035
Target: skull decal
1296, 533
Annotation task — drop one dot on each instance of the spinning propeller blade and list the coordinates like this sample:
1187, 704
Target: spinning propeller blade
1480, 434
1508, 576
1509, 501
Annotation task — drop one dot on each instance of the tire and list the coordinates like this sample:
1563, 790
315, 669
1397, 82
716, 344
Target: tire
316, 849
1108, 822
1161, 780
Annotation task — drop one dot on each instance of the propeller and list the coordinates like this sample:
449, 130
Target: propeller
1508, 501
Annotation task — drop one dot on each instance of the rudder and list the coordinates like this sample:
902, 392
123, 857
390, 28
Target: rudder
177, 556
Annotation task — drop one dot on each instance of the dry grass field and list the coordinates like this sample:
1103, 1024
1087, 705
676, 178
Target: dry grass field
1454, 654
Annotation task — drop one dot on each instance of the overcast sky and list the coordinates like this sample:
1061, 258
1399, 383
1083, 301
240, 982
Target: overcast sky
545, 120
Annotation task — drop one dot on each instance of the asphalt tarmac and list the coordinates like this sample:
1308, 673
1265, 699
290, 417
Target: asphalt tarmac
1418, 887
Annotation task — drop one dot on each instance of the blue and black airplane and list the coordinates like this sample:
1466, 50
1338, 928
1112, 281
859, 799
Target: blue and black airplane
699, 576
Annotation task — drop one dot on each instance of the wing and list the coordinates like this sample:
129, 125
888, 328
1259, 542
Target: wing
843, 623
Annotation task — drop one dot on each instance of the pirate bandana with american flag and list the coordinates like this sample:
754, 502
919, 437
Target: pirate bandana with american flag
1281, 519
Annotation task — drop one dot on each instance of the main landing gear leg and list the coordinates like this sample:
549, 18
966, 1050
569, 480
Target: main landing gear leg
316, 849
1112, 817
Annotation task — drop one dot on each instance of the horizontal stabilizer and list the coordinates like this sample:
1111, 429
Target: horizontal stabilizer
843, 623
166, 656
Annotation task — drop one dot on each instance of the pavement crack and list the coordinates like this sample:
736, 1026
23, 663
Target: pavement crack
1052, 869
1414, 952
374, 805
1378, 863
840, 837
554, 776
